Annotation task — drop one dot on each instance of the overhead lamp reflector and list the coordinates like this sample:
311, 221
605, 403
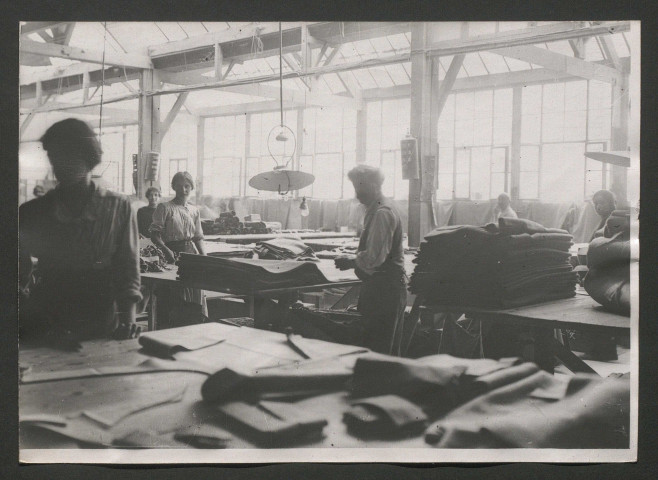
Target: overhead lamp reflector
281, 181
622, 159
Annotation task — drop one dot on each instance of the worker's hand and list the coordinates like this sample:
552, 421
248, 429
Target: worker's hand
127, 331
169, 256
345, 262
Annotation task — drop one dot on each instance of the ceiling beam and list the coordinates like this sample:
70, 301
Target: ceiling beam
244, 108
525, 36
36, 27
296, 97
171, 116
74, 53
449, 81
537, 76
610, 51
561, 63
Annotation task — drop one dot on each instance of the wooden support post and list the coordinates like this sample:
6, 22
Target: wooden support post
149, 126
619, 140
219, 59
307, 58
85, 87
424, 89
171, 116
515, 154
247, 152
361, 134
200, 156
39, 95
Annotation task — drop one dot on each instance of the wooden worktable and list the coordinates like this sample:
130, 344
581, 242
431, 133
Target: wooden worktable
252, 238
244, 348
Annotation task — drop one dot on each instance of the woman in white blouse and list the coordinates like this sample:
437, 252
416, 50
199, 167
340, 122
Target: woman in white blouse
176, 228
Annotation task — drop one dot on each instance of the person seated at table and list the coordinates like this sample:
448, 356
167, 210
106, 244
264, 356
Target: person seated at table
206, 210
379, 261
605, 203
145, 214
85, 241
176, 227
503, 208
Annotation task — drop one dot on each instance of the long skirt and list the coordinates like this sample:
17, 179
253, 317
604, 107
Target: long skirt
179, 306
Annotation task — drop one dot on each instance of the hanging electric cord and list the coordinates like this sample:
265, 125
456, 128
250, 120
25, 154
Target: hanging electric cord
281, 72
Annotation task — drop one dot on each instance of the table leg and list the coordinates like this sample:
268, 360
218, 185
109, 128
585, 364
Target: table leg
153, 310
570, 359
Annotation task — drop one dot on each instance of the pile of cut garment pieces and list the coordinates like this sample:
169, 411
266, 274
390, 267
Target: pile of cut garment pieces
454, 402
151, 259
283, 249
517, 262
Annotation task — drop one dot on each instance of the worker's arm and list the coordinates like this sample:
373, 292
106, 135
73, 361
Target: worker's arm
198, 234
379, 242
157, 225
125, 265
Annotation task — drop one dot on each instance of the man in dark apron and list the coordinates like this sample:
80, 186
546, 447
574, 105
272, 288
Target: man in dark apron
379, 261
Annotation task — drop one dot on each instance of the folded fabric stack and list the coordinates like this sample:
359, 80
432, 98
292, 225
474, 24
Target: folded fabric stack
229, 224
517, 262
609, 260
246, 275
284, 249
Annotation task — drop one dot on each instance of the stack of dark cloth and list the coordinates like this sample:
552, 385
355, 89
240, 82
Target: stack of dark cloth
284, 249
229, 224
608, 259
246, 275
517, 262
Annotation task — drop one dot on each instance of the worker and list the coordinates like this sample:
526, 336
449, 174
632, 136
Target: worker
38, 191
605, 203
207, 210
176, 227
503, 208
145, 214
85, 241
379, 261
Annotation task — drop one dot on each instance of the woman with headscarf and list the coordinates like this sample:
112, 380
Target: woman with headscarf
85, 241
176, 227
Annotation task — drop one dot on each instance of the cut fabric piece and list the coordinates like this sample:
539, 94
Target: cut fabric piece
203, 436
384, 416
272, 429
109, 415
164, 343
326, 375
433, 388
146, 439
594, 413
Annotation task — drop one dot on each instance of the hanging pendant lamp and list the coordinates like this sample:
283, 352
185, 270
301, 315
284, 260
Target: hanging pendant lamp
281, 145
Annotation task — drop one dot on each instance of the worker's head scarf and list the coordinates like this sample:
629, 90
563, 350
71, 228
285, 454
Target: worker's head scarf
182, 177
73, 138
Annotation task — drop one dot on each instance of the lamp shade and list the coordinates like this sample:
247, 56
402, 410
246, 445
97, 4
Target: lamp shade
281, 180
622, 159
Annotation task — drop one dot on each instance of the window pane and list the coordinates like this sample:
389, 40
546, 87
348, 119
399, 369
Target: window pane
503, 102
446, 160
575, 124
530, 128
328, 172
599, 126
553, 99
306, 165
482, 129
575, 96
502, 131
497, 184
529, 161
562, 172
498, 160
480, 173
529, 185
444, 191
464, 132
388, 168
349, 162
461, 185
552, 127
531, 100
463, 160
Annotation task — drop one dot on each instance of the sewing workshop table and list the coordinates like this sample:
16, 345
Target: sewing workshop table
253, 238
41, 394
251, 297
576, 313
